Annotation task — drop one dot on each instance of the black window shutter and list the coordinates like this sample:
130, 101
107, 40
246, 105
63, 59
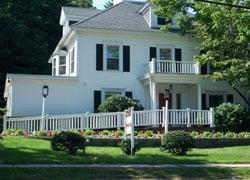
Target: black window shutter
97, 100
129, 94
230, 98
126, 58
99, 57
178, 54
152, 53
203, 101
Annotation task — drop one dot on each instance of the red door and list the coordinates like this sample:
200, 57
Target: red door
162, 101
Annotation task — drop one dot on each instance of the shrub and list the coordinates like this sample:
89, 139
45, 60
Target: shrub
230, 135
177, 142
218, 135
126, 147
194, 134
118, 133
244, 135
68, 141
105, 132
117, 103
206, 134
39, 133
13, 132
89, 132
231, 117
148, 134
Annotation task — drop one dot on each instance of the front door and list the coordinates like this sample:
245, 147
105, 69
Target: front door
162, 101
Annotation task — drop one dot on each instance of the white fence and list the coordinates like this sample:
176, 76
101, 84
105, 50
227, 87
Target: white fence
111, 120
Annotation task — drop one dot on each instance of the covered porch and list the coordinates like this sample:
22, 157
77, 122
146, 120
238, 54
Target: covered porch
180, 93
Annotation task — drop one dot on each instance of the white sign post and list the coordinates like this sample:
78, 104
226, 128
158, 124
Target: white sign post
129, 126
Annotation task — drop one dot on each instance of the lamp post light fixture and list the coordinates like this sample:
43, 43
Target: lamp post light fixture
45, 93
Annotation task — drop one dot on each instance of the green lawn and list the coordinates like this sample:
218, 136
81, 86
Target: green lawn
126, 173
23, 150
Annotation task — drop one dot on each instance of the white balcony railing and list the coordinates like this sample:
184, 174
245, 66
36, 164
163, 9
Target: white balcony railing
173, 67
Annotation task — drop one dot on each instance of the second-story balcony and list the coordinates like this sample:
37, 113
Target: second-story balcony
173, 67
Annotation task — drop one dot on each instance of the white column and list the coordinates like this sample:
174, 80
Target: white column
199, 96
153, 95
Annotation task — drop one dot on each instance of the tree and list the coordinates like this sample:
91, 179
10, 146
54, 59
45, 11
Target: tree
82, 3
109, 4
28, 35
223, 33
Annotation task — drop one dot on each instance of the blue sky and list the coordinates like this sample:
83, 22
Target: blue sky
99, 3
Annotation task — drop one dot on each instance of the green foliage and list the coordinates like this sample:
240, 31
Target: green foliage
117, 103
69, 142
109, 4
243, 135
206, 134
39, 133
105, 132
230, 135
223, 35
194, 134
177, 142
126, 147
149, 133
218, 135
89, 132
13, 132
231, 117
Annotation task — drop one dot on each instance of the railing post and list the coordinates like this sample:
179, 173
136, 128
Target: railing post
188, 117
197, 69
166, 117
153, 65
211, 117
4, 123
86, 118
118, 121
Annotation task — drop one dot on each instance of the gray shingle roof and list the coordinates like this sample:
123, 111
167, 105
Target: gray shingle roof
80, 12
123, 16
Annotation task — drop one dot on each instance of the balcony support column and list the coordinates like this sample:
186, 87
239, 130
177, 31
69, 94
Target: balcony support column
153, 104
199, 96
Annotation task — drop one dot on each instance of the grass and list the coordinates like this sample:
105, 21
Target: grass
18, 150
126, 173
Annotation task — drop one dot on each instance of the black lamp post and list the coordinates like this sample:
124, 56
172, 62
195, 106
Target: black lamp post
45, 93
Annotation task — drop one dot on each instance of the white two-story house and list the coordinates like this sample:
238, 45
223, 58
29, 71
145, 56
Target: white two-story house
120, 50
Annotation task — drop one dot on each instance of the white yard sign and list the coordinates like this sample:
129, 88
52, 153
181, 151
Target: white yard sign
129, 126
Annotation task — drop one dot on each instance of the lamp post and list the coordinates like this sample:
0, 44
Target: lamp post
167, 97
45, 93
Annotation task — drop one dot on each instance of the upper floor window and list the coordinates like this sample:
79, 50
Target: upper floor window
54, 67
72, 60
161, 20
165, 54
112, 57
62, 65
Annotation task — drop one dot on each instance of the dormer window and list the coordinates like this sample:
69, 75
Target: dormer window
161, 20
62, 65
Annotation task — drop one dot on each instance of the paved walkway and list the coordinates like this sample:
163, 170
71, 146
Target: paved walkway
124, 166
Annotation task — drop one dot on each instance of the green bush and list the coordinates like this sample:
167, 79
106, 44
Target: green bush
206, 134
230, 135
13, 132
39, 133
105, 132
177, 142
218, 135
126, 147
118, 103
89, 132
69, 142
231, 117
244, 135
194, 134
149, 134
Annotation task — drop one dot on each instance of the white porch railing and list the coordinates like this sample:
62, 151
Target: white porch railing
111, 120
173, 67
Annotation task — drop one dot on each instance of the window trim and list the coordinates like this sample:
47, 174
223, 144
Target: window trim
105, 63
104, 90
166, 47
72, 60
62, 65
54, 66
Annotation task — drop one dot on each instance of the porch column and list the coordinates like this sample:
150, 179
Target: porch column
199, 96
153, 95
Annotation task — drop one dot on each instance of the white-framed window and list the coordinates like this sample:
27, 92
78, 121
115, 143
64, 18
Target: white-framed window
107, 92
72, 60
54, 67
112, 57
166, 54
62, 65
